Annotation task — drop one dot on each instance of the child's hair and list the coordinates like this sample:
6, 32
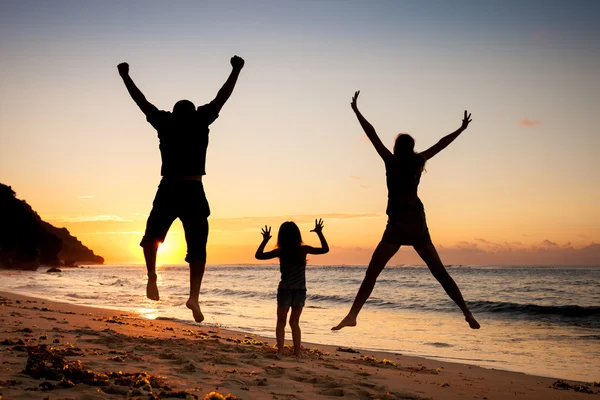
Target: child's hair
289, 241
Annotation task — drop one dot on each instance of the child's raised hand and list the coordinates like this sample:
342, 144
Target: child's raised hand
318, 226
266, 232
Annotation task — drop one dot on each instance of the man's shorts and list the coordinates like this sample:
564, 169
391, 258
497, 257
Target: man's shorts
186, 200
294, 298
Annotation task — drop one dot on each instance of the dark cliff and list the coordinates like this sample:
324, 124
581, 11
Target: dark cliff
26, 241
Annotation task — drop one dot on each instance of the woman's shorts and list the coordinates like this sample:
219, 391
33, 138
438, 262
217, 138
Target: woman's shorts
407, 227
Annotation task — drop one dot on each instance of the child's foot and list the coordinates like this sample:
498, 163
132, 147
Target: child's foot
347, 321
152, 289
195, 307
472, 321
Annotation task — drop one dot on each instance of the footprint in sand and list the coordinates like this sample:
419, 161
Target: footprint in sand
224, 360
338, 392
167, 355
274, 371
188, 368
328, 385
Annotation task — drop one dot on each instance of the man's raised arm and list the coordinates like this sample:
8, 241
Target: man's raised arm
133, 90
237, 63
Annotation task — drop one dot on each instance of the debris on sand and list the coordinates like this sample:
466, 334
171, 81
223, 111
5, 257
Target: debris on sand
48, 363
348, 350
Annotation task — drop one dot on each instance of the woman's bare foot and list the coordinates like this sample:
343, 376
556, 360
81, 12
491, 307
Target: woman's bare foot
152, 289
195, 307
472, 321
347, 321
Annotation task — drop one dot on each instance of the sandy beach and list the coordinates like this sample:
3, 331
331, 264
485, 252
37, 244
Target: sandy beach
61, 351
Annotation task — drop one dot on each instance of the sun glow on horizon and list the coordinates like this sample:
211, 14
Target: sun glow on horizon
172, 250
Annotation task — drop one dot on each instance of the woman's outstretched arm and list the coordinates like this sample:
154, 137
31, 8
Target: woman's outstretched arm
324, 246
369, 130
260, 252
446, 140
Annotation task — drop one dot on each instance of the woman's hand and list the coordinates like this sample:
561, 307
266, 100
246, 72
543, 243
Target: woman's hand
318, 225
353, 103
466, 121
266, 233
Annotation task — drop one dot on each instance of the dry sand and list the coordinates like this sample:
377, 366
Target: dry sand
51, 350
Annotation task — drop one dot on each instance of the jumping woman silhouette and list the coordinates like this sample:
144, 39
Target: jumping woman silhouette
406, 223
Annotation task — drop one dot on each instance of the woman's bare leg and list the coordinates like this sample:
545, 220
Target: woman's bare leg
380, 258
429, 254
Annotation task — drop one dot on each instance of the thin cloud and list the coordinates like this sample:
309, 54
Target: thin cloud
513, 244
242, 224
137, 233
490, 246
310, 217
484, 241
543, 253
359, 179
85, 218
548, 244
113, 233
466, 245
85, 197
529, 123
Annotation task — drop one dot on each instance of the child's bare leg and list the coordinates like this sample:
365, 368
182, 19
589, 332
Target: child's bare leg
380, 258
196, 274
280, 329
429, 254
150, 250
296, 332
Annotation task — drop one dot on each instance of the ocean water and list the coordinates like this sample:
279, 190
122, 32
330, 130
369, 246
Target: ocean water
537, 320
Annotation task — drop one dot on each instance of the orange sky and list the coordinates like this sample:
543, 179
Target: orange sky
520, 186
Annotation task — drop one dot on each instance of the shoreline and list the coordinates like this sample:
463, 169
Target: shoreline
201, 359
210, 325
484, 363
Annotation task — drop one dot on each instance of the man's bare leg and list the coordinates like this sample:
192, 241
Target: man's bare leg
380, 258
150, 250
196, 274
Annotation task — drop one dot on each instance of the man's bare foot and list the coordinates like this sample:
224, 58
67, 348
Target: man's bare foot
347, 321
279, 356
195, 307
472, 321
152, 289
